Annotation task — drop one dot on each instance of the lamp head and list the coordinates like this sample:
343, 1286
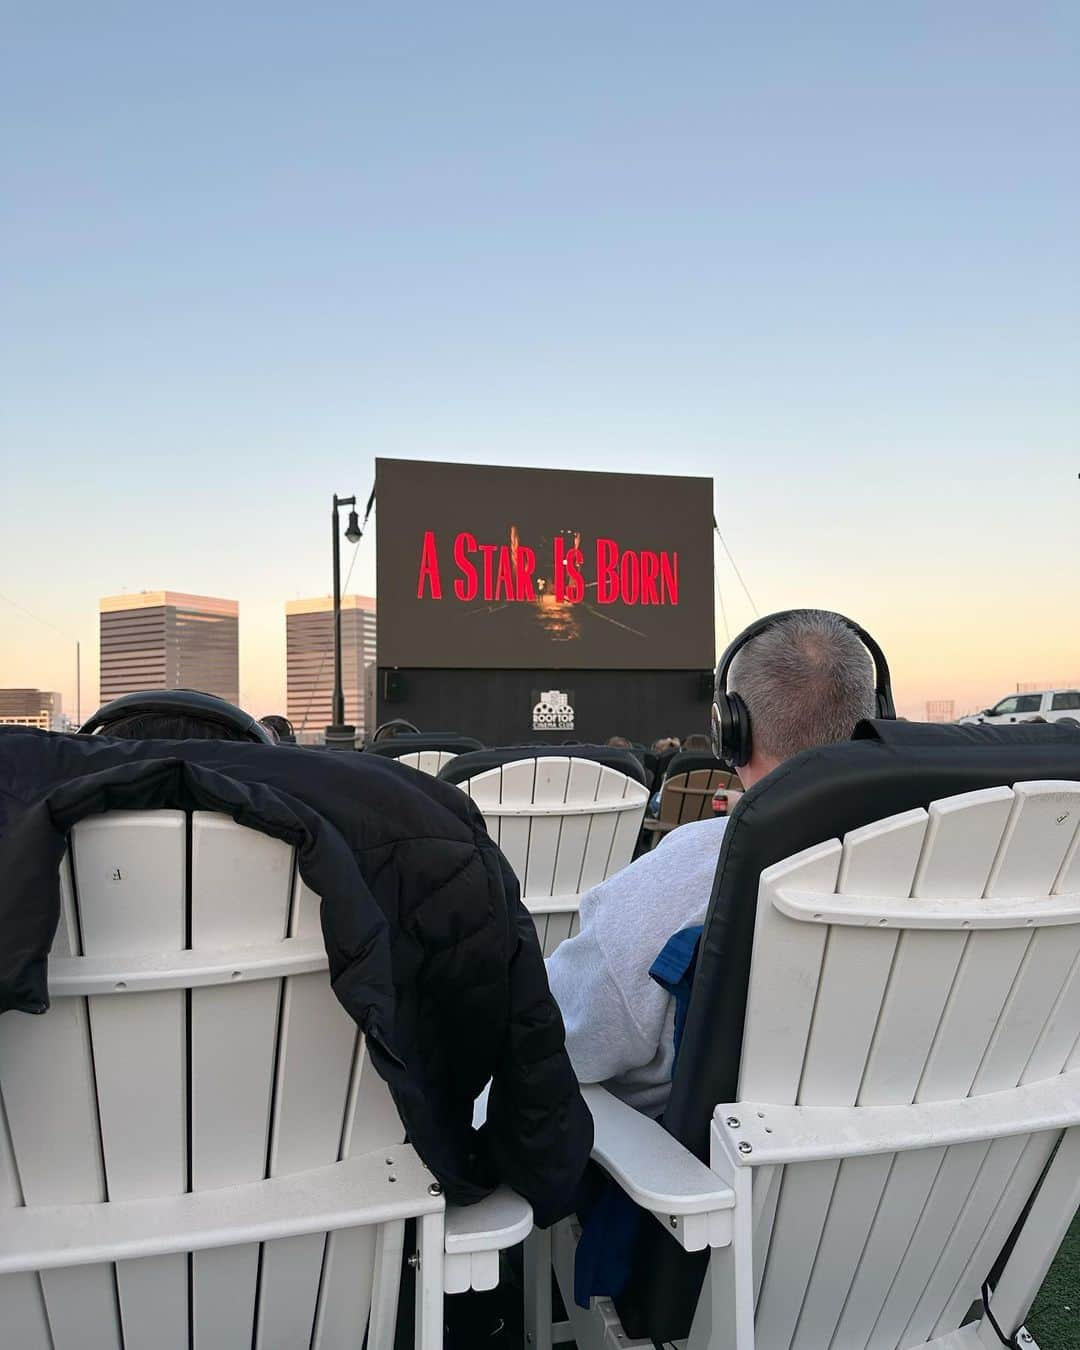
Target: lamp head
352, 530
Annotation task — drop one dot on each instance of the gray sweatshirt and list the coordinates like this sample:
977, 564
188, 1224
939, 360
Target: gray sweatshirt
619, 1022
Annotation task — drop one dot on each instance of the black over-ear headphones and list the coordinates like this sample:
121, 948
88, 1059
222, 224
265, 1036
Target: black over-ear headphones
177, 703
731, 735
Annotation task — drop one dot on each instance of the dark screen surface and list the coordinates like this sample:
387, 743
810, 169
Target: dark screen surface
505, 568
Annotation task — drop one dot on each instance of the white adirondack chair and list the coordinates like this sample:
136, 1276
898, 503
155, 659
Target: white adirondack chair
909, 1081
564, 824
194, 1147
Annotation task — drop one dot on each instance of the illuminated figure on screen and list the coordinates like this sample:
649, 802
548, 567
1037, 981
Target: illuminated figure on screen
556, 610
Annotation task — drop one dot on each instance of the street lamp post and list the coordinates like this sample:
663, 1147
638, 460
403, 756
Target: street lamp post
340, 734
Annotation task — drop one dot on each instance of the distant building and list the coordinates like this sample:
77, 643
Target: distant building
167, 640
309, 664
32, 708
941, 710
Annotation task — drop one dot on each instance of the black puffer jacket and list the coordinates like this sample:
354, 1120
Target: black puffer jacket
430, 948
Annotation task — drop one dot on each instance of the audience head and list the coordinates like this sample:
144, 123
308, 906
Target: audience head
175, 715
806, 681
698, 742
397, 726
279, 727
665, 744
620, 743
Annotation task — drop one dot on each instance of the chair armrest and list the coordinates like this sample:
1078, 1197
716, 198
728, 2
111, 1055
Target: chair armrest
476, 1234
763, 1134
689, 1201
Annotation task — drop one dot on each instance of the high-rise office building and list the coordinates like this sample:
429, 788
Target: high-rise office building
941, 710
309, 649
166, 640
31, 708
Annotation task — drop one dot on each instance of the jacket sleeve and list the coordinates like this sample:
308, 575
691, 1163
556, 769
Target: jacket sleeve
539, 1132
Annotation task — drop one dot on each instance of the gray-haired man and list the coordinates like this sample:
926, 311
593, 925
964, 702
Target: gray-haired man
806, 681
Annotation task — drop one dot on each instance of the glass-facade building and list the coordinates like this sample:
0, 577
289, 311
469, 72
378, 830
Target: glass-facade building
168, 640
309, 648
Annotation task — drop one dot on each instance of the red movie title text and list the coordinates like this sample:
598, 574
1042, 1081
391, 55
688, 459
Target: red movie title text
502, 572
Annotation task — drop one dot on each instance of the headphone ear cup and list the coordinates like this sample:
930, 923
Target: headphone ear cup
717, 730
732, 718
740, 739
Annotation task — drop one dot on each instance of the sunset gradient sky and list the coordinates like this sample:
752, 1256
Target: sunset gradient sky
828, 255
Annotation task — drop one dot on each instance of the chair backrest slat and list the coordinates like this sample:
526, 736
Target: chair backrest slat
241, 889
888, 1249
310, 1102
131, 885
53, 1128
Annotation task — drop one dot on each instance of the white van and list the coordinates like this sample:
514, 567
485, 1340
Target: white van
1053, 705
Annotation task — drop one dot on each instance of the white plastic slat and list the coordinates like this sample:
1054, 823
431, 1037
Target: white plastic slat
241, 885
784, 979
82, 1307
581, 789
1037, 837
350, 1278
130, 877
627, 826
557, 930
878, 860
800, 1217
550, 785
53, 1125
315, 1065
962, 838
23, 1309
767, 1184
602, 826
1068, 878
517, 787
24, 1319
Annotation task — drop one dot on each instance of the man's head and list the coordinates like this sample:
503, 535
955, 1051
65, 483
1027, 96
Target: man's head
806, 681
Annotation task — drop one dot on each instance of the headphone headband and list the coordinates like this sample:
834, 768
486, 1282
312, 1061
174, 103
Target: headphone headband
177, 703
730, 716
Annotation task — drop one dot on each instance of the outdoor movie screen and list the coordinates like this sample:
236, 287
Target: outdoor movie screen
494, 567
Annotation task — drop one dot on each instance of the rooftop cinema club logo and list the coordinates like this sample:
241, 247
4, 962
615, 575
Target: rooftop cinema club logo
512, 573
553, 711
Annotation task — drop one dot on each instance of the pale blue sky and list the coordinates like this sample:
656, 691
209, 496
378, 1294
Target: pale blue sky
829, 254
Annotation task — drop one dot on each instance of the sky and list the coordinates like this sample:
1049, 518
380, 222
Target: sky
828, 255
